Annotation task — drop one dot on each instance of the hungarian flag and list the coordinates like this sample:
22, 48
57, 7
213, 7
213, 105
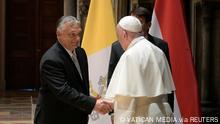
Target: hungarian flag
168, 23
97, 39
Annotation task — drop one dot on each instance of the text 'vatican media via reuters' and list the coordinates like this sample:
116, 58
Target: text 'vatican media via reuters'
170, 119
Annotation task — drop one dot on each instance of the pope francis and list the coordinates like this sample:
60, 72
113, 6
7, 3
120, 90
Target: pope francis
141, 80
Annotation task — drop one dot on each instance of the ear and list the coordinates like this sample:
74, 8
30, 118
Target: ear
124, 33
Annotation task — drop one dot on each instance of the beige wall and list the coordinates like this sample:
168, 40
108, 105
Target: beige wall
2, 45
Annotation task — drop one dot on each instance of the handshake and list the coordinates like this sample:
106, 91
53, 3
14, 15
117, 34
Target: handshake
103, 106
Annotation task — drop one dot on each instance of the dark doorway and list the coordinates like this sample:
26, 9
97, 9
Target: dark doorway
30, 31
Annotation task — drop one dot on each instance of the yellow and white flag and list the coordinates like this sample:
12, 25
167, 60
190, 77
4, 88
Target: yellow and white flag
98, 36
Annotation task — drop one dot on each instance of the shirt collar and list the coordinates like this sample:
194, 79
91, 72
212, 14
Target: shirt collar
70, 53
134, 41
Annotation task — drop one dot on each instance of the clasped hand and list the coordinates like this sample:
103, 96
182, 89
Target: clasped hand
103, 106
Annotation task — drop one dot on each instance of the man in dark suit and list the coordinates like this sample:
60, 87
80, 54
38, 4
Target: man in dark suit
144, 16
64, 93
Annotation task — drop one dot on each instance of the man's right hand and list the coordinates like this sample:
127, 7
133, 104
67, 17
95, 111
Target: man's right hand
103, 106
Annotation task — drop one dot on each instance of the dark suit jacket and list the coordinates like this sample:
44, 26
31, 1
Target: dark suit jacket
117, 51
63, 96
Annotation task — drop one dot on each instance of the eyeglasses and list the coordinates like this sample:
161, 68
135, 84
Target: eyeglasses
73, 35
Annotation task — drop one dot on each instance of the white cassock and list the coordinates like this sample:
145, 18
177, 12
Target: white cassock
140, 84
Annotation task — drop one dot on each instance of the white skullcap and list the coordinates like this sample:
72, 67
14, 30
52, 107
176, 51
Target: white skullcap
130, 23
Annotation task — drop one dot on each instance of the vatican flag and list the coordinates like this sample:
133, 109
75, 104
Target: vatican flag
98, 36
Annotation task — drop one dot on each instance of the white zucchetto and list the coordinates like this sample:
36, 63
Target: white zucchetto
130, 23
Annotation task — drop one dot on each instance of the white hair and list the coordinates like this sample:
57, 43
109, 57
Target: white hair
65, 19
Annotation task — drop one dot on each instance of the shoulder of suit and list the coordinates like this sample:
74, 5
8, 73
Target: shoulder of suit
158, 40
80, 52
116, 43
54, 52
80, 49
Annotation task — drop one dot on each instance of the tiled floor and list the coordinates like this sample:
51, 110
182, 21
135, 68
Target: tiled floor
17, 107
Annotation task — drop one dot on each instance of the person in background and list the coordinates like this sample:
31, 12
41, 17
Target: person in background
64, 92
142, 78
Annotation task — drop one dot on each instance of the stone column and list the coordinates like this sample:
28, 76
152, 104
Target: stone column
83, 8
2, 45
215, 78
121, 8
206, 57
210, 58
70, 7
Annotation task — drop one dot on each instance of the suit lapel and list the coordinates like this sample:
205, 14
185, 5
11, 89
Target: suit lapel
69, 61
149, 38
78, 56
81, 61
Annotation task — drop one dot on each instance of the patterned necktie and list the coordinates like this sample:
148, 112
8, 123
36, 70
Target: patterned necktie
76, 64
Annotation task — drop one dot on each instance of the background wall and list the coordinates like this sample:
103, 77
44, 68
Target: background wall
205, 43
2, 45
